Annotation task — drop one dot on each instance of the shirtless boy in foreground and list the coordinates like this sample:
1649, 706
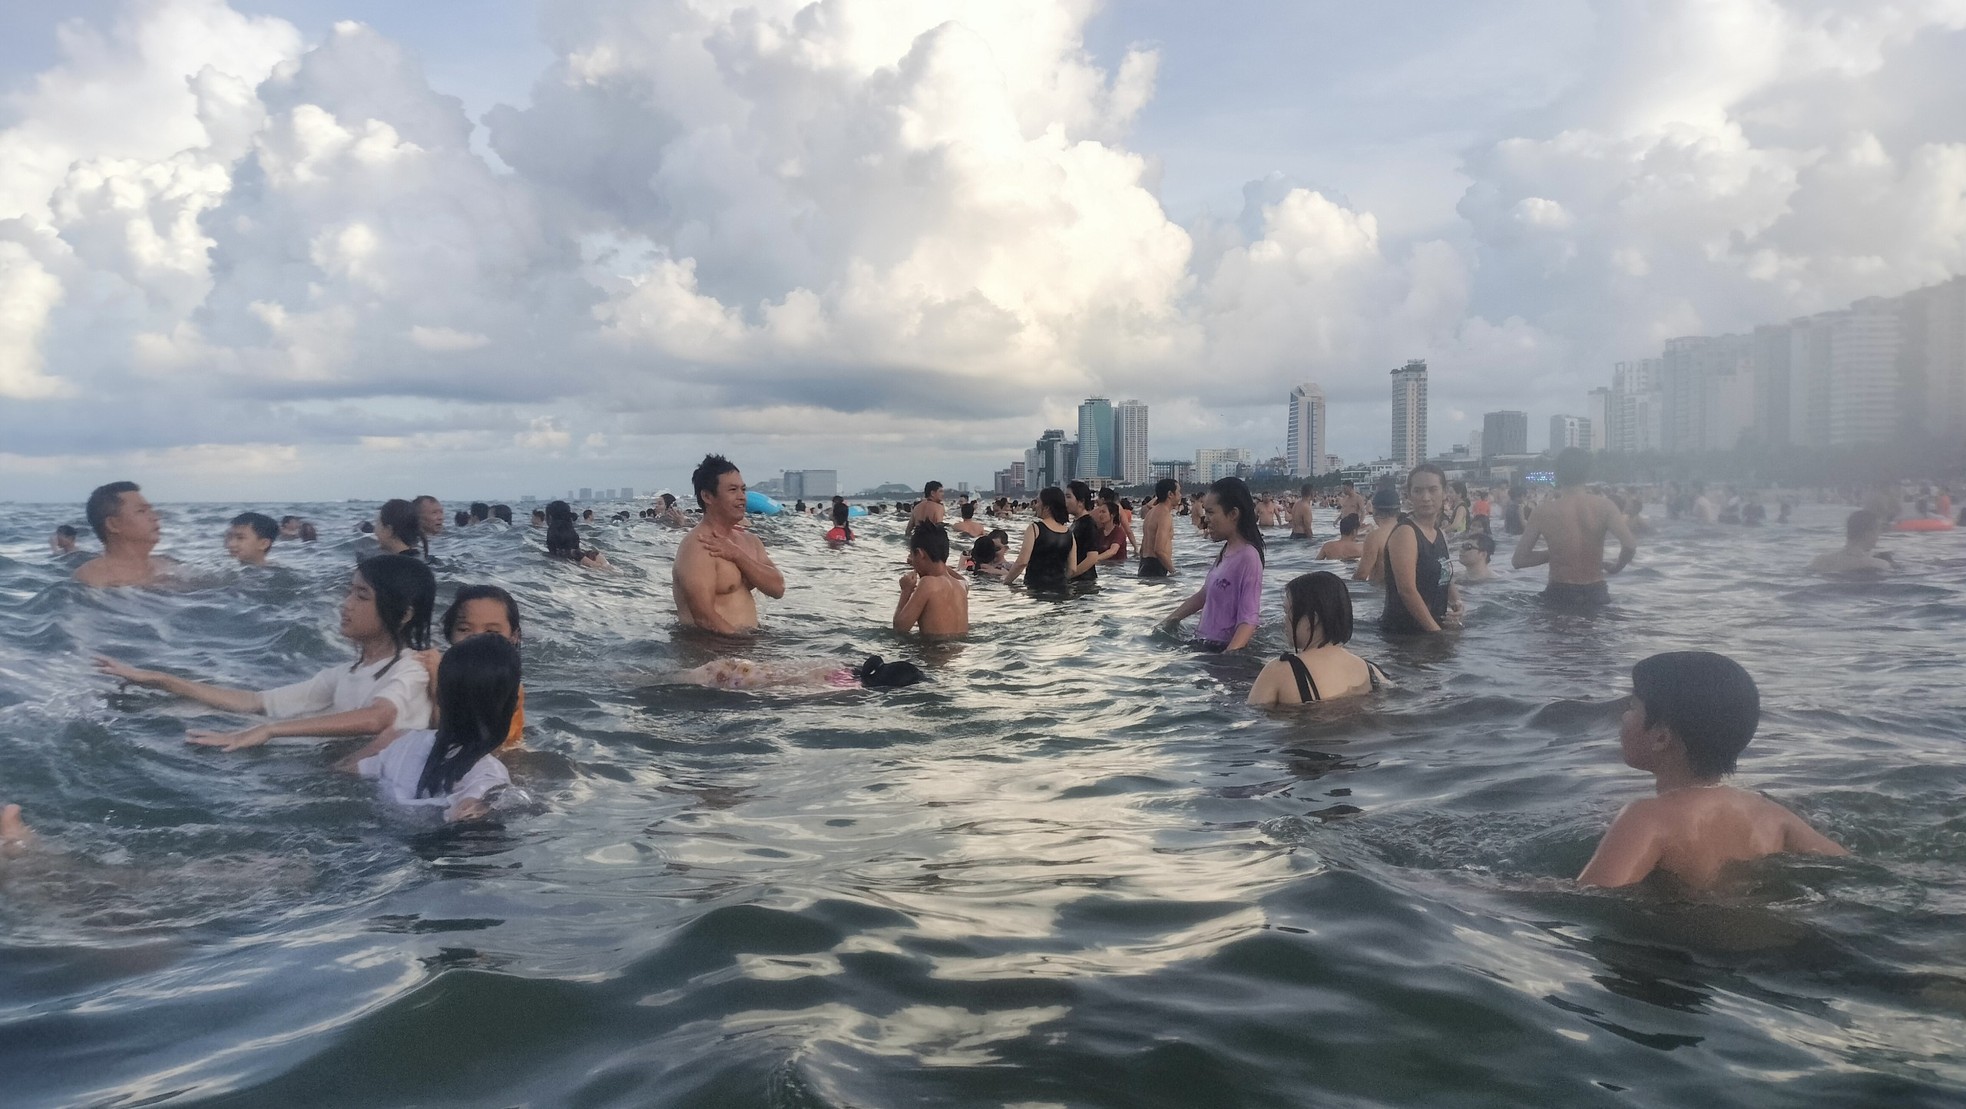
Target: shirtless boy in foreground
931, 596
1689, 716
719, 563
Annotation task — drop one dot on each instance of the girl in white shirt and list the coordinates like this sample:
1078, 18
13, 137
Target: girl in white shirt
452, 765
386, 614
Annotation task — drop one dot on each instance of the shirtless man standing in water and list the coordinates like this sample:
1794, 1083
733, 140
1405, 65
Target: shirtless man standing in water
129, 530
1157, 531
1300, 514
719, 563
1574, 524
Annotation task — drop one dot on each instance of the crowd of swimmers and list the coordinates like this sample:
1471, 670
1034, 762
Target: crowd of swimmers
434, 725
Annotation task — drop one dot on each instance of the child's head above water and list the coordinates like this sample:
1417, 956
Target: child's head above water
477, 693
930, 541
1705, 701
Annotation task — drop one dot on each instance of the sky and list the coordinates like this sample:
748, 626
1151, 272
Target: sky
315, 249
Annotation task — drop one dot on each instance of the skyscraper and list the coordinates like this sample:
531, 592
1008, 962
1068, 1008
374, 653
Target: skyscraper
1130, 443
1410, 413
1045, 466
1304, 440
1095, 439
1504, 432
1600, 418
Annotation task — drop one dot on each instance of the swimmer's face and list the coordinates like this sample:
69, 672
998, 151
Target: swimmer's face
430, 514
1425, 493
359, 618
244, 544
1220, 522
1472, 558
483, 616
727, 499
62, 543
384, 533
1637, 743
135, 520
1102, 515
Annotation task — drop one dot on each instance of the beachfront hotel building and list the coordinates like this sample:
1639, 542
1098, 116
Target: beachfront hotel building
1304, 439
809, 485
1095, 440
1410, 413
1130, 459
1876, 372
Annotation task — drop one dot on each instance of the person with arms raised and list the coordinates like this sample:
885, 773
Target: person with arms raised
720, 564
386, 614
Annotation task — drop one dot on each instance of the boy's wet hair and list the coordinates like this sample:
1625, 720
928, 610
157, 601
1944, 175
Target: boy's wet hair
262, 525
1707, 700
1861, 524
930, 539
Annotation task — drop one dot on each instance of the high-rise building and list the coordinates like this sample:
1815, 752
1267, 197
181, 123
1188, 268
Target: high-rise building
586, 493
1864, 392
1935, 359
1304, 441
1569, 431
1095, 439
1048, 463
1706, 392
1599, 400
1504, 432
1017, 478
1635, 406
1216, 464
627, 492
1180, 469
1410, 413
1773, 391
1130, 443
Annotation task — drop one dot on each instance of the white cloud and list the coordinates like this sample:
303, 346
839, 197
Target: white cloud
785, 219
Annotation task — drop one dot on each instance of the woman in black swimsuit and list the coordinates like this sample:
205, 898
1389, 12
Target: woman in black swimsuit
1418, 567
1049, 552
1317, 614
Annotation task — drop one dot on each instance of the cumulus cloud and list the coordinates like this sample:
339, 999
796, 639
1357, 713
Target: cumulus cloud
790, 218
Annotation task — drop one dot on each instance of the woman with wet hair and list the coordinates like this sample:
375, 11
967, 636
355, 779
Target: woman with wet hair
563, 539
399, 529
1049, 552
386, 614
1317, 616
452, 765
1230, 600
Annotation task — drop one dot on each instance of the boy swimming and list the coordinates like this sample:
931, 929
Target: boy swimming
1688, 718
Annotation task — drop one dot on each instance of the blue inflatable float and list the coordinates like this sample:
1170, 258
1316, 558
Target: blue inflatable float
856, 510
761, 505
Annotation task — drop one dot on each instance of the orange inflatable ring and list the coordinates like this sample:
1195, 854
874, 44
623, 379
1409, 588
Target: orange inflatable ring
1924, 523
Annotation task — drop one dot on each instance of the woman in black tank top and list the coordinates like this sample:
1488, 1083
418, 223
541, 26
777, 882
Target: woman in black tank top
1317, 615
1048, 551
1419, 568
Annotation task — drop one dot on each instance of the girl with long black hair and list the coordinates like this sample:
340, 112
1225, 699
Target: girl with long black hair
1231, 600
452, 764
386, 614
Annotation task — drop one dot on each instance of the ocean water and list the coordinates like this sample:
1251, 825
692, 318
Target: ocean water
1074, 870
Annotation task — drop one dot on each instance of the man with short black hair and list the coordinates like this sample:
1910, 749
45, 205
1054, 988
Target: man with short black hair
63, 540
480, 512
929, 508
250, 537
129, 529
720, 563
1574, 525
1300, 512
